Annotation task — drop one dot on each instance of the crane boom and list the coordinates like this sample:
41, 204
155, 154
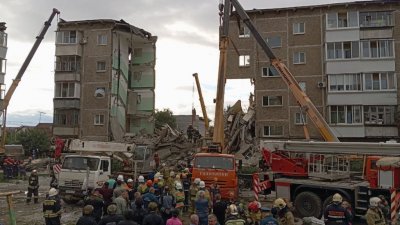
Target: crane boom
21, 72
203, 106
301, 97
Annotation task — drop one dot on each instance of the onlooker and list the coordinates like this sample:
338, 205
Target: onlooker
267, 217
96, 200
153, 218
107, 194
86, 218
212, 220
139, 212
111, 217
174, 220
219, 209
201, 205
149, 197
128, 219
194, 219
347, 206
167, 202
122, 203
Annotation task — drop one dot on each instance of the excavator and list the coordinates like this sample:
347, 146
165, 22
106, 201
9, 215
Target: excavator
19, 75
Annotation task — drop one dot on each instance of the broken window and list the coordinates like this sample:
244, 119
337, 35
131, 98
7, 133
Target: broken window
99, 119
274, 42
384, 115
101, 66
100, 92
244, 32
244, 60
269, 72
300, 118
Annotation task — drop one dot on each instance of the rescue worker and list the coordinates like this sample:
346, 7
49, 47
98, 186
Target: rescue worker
186, 188
179, 198
177, 180
142, 187
33, 187
254, 208
149, 197
170, 181
268, 218
52, 208
189, 132
285, 216
374, 215
202, 187
233, 218
214, 189
335, 213
193, 192
131, 189
86, 218
161, 183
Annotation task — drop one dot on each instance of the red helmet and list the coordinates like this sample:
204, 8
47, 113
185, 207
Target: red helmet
149, 183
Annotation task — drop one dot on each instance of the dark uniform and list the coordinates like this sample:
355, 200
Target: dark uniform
33, 188
335, 214
52, 210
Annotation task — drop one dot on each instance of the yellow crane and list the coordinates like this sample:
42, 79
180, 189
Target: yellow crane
203, 106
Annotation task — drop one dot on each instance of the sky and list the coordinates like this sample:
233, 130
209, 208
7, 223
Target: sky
187, 32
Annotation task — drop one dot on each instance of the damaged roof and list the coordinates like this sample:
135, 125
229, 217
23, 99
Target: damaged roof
118, 24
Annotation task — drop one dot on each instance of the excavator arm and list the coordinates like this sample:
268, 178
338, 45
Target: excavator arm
20, 73
301, 97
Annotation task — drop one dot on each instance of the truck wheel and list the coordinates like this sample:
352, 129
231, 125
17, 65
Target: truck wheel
70, 201
308, 204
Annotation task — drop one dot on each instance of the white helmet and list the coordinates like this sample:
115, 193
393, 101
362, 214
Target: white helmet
34, 171
160, 177
280, 203
130, 180
178, 186
120, 177
141, 179
233, 209
374, 201
172, 174
202, 184
337, 198
53, 192
157, 175
197, 181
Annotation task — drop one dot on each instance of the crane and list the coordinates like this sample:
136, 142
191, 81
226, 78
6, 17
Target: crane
20, 73
303, 100
203, 106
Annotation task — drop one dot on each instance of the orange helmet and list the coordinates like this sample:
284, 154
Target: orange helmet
149, 183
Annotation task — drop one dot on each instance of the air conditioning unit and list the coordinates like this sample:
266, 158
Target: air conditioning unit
321, 84
83, 40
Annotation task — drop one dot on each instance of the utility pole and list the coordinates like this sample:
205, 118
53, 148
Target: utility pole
40, 115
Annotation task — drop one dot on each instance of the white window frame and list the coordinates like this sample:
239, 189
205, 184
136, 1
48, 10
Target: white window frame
297, 28
269, 72
379, 53
102, 39
347, 82
60, 87
381, 75
346, 111
244, 31
65, 37
336, 14
270, 129
297, 118
99, 119
244, 60
383, 110
99, 66
374, 21
342, 50
268, 101
299, 62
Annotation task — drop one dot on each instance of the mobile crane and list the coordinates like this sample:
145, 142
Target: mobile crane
20, 73
203, 106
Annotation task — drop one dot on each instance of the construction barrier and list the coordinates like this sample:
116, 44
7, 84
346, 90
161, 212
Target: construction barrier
259, 186
394, 205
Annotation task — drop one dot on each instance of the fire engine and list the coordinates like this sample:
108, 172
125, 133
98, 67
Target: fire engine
310, 173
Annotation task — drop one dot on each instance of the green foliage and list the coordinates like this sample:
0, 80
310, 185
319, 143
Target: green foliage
165, 117
34, 139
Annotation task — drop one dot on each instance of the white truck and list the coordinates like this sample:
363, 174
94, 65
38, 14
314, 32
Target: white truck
91, 163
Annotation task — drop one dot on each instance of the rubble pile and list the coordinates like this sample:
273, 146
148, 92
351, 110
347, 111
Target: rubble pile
240, 134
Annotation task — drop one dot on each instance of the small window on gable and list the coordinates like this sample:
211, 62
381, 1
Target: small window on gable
244, 60
100, 92
101, 66
270, 72
102, 39
244, 31
299, 28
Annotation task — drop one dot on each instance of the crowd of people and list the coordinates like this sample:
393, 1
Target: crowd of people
166, 197
13, 168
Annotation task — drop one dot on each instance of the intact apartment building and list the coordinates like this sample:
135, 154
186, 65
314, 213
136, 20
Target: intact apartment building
345, 56
104, 80
3, 60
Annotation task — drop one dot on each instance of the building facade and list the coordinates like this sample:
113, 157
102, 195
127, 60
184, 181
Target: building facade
343, 57
3, 60
104, 80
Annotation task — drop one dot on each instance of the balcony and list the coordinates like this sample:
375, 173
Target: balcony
142, 77
68, 49
66, 103
65, 131
3, 45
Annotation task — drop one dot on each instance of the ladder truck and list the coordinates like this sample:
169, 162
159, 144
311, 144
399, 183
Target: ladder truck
310, 173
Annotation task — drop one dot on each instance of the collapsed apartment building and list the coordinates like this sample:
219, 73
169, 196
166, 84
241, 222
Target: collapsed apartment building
104, 80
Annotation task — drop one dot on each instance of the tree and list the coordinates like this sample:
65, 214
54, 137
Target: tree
165, 117
34, 139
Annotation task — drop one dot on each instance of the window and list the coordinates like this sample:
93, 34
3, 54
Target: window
66, 117
101, 66
299, 58
345, 82
379, 81
273, 131
60, 118
99, 119
302, 85
342, 50
376, 19
380, 115
66, 37
274, 42
377, 48
213, 162
272, 101
100, 92
300, 118
342, 20
269, 72
81, 163
65, 90
299, 28
244, 60
67, 63
244, 31
104, 165
102, 39
3, 66
349, 114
